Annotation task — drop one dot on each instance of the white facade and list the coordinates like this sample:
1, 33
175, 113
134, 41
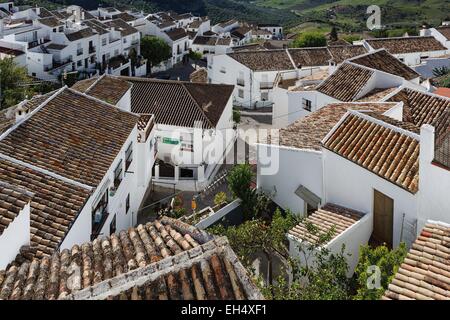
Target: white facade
275, 30
252, 88
437, 35
135, 182
16, 235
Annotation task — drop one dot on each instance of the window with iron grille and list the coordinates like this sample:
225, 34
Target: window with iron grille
128, 156
307, 104
442, 140
118, 175
112, 226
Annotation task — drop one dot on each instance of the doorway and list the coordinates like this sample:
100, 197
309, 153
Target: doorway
383, 218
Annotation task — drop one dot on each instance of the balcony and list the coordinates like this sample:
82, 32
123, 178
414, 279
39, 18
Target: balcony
57, 65
266, 85
240, 82
79, 52
99, 217
33, 44
91, 49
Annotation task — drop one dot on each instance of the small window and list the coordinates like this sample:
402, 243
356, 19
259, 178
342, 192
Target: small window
79, 63
54, 29
104, 42
124, 40
307, 104
118, 175
264, 96
112, 226
128, 156
241, 93
127, 204
187, 146
223, 70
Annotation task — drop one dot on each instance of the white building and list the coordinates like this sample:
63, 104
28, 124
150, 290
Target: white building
84, 166
211, 45
357, 78
370, 162
275, 29
194, 126
72, 39
255, 72
225, 27
410, 50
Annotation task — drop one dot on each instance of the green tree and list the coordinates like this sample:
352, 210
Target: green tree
441, 71
334, 34
388, 262
236, 116
239, 180
310, 39
155, 50
259, 236
322, 275
15, 83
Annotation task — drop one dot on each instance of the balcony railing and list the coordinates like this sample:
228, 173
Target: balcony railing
91, 49
266, 85
240, 82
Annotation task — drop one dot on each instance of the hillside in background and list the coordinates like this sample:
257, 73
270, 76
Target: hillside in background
348, 15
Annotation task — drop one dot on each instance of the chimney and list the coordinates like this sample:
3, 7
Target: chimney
82, 15
22, 111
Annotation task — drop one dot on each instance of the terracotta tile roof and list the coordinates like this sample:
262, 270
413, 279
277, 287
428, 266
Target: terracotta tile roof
176, 34
377, 94
346, 83
201, 40
385, 150
308, 132
125, 16
329, 218
107, 88
11, 52
445, 92
223, 42
425, 272
55, 205
144, 250
73, 135
97, 26
340, 53
310, 57
80, 34
267, 60
12, 201
8, 117
51, 22
56, 46
421, 107
83, 85
406, 44
120, 25
445, 31
44, 13
400, 124
384, 61
179, 103
208, 272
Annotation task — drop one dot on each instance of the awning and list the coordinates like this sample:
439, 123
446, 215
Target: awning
308, 196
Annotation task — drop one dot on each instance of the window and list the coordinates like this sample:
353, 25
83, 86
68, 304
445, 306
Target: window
241, 93
223, 70
306, 104
112, 226
127, 204
124, 40
104, 42
264, 96
79, 63
116, 52
118, 175
128, 156
54, 29
187, 146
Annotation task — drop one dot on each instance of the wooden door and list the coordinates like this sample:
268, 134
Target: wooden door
383, 218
